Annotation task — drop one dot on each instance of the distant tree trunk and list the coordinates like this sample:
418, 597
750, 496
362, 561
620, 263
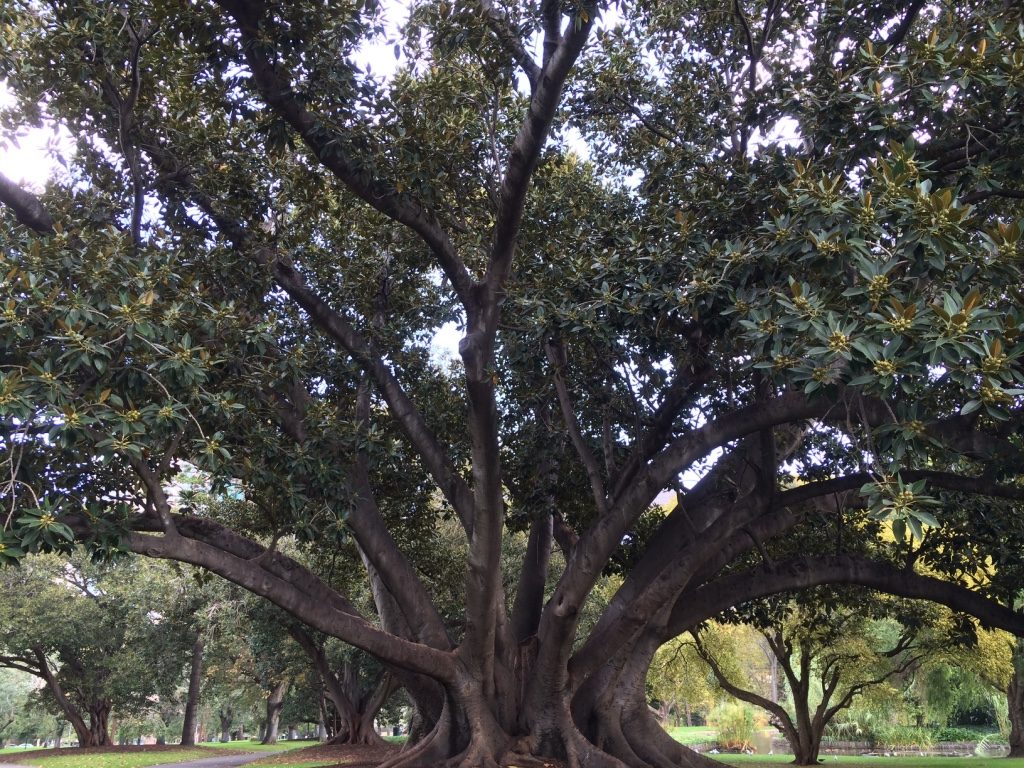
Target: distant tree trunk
1015, 702
71, 712
195, 680
99, 723
293, 733
58, 737
689, 715
356, 706
321, 728
226, 717
275, 702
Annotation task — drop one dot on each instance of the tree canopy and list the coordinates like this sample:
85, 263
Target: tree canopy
101, 639
765, 254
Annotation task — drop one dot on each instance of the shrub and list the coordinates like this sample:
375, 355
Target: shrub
904, 737
952, 733
735, 725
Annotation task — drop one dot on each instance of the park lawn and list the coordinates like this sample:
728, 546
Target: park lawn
692, 734
255, 746
849, 761
18, 750
111, 757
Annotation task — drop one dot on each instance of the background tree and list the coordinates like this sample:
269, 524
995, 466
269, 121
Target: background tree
830, 650
95, 635
15, 688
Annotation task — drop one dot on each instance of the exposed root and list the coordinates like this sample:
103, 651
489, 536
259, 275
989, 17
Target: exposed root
429, 752
655, 747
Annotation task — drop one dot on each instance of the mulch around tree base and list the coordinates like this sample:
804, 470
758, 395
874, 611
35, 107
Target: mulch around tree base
343, 754
347, 756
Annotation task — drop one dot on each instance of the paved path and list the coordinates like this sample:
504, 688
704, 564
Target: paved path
223, 761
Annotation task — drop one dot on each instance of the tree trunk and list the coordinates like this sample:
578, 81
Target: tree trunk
195, 680
1015, 704
611, 709
807, 748
71, 712
226, 717
58, 737
99, 723
275, 702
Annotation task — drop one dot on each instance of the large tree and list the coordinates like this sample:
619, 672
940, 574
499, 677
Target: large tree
776, 243
831, 649
98, 637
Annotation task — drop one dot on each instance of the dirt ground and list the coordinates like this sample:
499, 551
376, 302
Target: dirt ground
348, 756
371, 757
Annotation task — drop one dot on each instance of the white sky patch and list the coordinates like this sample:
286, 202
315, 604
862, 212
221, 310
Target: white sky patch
32, 157
445, 344
377, 55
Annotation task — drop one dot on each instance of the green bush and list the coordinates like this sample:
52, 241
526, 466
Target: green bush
952, 733
735, 725
903, 737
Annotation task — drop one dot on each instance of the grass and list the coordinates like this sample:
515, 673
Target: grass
18, 750
752, 761
692, 734
255, 746
113, 758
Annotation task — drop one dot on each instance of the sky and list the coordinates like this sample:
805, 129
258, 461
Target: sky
28, 159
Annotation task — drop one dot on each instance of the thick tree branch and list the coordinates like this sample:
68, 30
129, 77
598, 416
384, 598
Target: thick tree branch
288, 585
532, 578
27, 207
522, 162
22, 665
900, 32
275, 87
509, 39
985, 194
694, 606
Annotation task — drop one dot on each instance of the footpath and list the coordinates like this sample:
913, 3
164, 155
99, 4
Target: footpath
225, 761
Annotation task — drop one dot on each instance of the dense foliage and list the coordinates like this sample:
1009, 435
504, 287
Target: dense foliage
762, 253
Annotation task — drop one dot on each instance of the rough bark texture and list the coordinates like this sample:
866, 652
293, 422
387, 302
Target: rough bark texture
99, 723
195, 680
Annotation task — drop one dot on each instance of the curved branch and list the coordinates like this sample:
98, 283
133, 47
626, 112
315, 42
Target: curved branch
289, 586
710, 599
785, 722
